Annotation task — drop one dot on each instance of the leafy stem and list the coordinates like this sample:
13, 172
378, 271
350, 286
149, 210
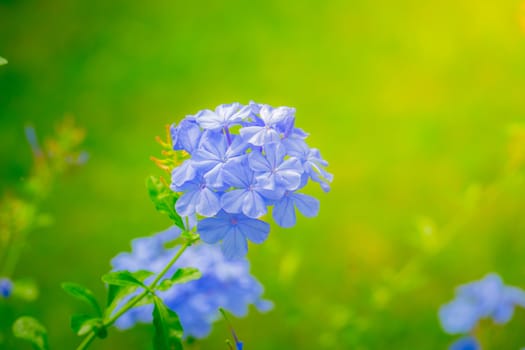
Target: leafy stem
133, 301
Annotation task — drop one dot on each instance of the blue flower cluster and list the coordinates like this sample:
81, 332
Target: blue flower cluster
486, 298
224, 283
6, 287
243, 160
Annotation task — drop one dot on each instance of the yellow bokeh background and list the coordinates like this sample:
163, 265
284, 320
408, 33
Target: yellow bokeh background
418, 106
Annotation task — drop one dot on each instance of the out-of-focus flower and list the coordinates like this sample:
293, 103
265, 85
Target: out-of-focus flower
465, 343
224, 283
6, 287
243, 160
486, 298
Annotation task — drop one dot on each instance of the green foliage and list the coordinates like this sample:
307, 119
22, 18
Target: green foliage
182, 275
83, 324
30, 329
122, 284
82, 293
126, 278
2, 61
164, 199
168, 330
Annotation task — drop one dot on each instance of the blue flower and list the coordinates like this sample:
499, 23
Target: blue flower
487, 298
233, 230
224, 283
215, 154
224, 116
284, 209
249, 195
267, 127
465, 343
273, 171
186, 136
197, 197
243, 160
6, 287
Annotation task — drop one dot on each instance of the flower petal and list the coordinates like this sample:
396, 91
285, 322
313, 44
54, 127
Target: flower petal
185, 205
232, 201
284, 212
255, 230
307, 205
253, 205
208, 203
234, 245
212, 230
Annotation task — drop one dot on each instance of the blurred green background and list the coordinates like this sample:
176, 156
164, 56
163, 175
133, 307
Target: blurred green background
417, 106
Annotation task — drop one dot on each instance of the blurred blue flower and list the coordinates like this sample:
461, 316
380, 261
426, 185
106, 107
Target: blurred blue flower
6, 287
487, 298
224, 283
465, 343
243, 160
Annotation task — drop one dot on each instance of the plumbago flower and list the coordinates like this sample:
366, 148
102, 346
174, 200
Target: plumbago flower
223, 283
486, 298
229, 168
6, 287
241, 161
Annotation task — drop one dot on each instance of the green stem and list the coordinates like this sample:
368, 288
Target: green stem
133, 301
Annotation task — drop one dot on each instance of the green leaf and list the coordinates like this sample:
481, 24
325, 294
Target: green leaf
164, 199
118, 292
30, 329
182, 275
168, 330
82, 293
2, 61
125, 278
83, 324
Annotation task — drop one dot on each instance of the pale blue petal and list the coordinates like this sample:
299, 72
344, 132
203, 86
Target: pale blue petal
237, 173
253, 205
232, 201
234, 245
249, 131
208, 203
284, 212
227, 110
459, 316
307, 205
258, 162
264, 305
290, 173
212, 230
185, 205
503, 313
274, 153
215, 176
255, 230
209, 120
182, 174
243, 113
280, 114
